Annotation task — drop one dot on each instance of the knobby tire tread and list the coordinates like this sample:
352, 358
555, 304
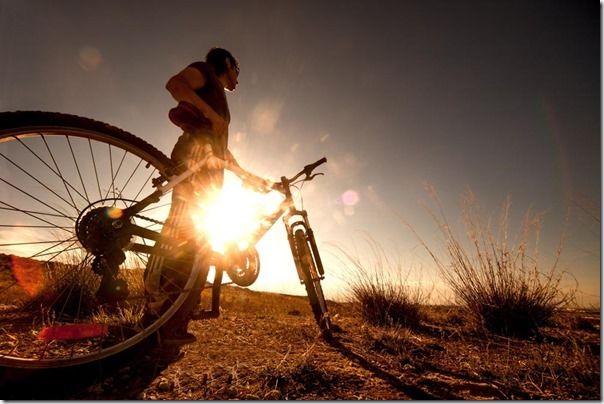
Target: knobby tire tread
26, 121
310, 284
44, 119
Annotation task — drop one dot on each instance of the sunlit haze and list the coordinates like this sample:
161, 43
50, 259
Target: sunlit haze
501, 97
233, 213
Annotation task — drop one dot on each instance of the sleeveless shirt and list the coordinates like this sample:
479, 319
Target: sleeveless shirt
214, 95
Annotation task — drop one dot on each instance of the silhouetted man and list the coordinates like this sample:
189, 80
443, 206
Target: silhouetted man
203, 114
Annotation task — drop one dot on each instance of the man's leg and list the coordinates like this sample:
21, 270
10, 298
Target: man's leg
175, 329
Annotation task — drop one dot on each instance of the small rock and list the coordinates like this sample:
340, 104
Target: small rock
273, 395
294, 312
252, 397
231, 392
164, 385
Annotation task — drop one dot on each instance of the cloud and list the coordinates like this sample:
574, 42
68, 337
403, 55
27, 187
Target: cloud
266, 116
89, 58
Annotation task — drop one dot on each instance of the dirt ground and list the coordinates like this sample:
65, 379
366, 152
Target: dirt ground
266, 346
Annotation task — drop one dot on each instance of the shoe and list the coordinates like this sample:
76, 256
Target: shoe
179, 339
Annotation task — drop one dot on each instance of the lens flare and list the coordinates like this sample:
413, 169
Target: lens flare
350, 197
233, 214
28, 274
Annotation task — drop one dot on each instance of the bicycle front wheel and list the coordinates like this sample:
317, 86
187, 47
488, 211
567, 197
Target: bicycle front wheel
58, 170
312, 282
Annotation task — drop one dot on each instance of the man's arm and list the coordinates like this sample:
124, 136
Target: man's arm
249, 179
231, 159
182, 87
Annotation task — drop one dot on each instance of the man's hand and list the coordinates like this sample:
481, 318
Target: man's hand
215, 163
212, 162
258, 184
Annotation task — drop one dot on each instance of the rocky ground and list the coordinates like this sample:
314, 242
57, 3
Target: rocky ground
266, 346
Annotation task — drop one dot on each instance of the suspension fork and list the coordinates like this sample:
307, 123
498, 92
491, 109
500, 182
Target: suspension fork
309, 235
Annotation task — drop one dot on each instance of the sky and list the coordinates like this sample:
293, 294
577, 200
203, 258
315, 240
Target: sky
500, 97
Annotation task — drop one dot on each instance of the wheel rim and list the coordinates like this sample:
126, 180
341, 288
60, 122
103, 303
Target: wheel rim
48, 175
312, 283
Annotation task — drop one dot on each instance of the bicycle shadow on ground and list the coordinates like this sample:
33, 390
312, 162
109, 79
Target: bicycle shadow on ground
413, 392
123, 376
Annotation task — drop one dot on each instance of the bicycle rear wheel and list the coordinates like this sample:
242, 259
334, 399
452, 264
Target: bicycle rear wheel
312, 282
55, 169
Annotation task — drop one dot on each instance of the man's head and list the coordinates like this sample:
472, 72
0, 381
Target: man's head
225, 66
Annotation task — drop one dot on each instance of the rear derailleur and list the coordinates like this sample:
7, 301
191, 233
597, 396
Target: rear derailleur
103, 232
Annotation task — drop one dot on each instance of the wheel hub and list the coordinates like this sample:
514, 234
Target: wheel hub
101, 231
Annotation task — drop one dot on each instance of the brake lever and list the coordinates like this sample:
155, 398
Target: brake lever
309, 178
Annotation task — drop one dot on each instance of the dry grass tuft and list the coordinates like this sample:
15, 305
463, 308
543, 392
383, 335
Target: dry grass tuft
381, 290
501, 283
295, 376
68, 291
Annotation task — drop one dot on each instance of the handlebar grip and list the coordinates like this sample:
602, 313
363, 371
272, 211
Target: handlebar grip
308, 169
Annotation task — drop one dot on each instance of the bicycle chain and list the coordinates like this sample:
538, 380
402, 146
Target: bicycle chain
150, 219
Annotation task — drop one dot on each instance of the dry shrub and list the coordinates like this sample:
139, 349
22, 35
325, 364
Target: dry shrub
500, 282
68, 290
381, 290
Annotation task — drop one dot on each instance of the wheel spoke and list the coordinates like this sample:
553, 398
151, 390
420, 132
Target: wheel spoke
61, 252
46, 276
34, 242
129, 178
78, 169
53, 246
33, 197
144, 183
23, 226
38, 181
96, 174
58, 172
114, 176
33, 212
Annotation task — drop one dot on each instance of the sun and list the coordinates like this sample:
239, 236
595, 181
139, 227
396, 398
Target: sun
233, 214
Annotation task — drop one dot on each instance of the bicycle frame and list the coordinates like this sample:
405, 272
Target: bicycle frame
287, 208
293, 219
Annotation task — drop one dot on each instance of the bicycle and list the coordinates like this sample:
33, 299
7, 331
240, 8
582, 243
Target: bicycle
72, 283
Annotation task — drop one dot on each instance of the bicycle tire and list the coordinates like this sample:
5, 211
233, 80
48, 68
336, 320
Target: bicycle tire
312, 282
39, 192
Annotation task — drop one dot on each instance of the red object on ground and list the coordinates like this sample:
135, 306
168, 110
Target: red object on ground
73, 331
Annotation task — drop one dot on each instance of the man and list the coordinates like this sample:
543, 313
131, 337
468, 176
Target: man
203, 114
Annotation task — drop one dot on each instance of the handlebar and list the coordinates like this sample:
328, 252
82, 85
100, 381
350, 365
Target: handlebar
308, 169
284, 183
